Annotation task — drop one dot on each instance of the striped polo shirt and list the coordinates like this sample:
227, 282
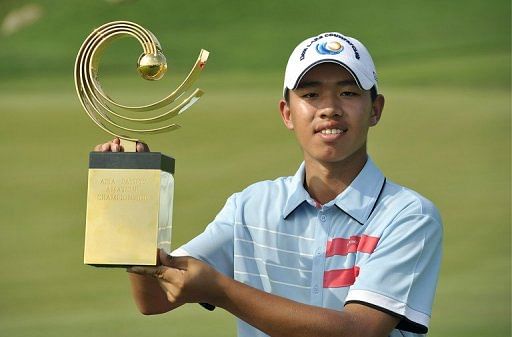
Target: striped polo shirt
377, 243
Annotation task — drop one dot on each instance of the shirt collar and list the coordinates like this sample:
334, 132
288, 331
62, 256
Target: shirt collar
298, 193
357, 200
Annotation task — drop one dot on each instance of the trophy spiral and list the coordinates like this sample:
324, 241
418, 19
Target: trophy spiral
103, 110
130, 194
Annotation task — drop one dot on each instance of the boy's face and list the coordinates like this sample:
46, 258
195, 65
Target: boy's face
331, 115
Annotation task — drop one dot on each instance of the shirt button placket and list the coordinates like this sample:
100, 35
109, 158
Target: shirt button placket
319, 260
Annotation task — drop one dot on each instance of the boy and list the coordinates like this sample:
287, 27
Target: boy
336, 250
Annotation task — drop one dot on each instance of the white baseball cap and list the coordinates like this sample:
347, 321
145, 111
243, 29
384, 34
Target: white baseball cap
331, 47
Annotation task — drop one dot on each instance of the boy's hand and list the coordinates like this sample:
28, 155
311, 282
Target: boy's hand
183, 279
115, 146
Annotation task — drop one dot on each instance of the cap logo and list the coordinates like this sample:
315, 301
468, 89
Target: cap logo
329, 48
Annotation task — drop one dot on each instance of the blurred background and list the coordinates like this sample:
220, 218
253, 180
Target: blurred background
444, 67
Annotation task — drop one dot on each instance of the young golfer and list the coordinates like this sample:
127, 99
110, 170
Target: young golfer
335, 250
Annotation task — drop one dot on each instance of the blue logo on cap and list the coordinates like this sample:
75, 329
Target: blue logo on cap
329, 48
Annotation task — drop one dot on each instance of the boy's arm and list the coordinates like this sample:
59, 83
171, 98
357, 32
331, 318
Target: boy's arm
187, 280
278, 316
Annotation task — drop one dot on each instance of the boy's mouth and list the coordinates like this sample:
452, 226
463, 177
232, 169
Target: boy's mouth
332, 131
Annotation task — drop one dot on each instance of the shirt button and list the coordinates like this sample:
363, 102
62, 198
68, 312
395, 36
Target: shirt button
315, 289
318, 252
323, 218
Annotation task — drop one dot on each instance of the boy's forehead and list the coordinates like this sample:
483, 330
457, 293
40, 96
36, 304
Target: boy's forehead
327, 70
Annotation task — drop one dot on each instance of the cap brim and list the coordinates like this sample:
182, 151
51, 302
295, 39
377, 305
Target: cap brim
361, 80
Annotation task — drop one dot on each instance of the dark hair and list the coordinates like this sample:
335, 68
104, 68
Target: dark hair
373, 94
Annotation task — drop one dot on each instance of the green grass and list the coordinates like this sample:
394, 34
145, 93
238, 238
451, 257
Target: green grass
444, 69
257, 35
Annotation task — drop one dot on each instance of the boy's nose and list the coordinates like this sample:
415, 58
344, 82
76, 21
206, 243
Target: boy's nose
330, 109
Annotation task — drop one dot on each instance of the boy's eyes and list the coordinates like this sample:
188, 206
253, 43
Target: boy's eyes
348, 93
343, 94
309, 95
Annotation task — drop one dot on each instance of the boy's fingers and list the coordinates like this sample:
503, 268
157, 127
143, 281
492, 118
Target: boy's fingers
142, 147
105, 147
150, 271
160, 272
116, 147
164, 258
180, 262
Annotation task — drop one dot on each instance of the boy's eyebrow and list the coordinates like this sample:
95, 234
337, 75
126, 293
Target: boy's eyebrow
309, 84
347, 82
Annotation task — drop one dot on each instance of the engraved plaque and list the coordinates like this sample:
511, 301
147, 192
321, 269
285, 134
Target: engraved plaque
129, 208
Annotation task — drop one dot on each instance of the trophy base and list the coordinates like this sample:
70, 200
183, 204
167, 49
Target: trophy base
129, 208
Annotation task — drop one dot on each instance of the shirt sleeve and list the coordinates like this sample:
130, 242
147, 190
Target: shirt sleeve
215, 245
400, 276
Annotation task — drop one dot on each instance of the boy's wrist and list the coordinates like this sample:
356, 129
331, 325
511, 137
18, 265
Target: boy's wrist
219, 293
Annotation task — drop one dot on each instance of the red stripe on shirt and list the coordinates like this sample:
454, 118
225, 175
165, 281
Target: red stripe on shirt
340, 277
342, 246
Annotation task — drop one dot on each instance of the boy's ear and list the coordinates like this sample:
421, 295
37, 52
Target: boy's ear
377, 108
284, 109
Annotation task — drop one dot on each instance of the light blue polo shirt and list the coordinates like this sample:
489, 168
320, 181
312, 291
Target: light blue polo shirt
377, 243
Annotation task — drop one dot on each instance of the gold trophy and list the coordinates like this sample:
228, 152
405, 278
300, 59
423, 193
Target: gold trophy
130, 194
